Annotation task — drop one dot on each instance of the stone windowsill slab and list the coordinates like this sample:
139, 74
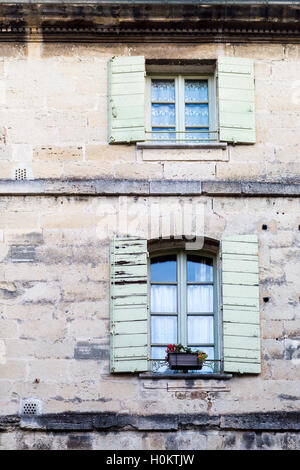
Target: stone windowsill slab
153, 376
150, 145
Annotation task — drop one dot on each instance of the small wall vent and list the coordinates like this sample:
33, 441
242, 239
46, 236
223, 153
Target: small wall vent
31, 407
21, 173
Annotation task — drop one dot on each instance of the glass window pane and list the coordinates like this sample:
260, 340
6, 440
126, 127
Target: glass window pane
196, 90
210, 367
163, 269
163, 115
200, 330
159, 353
163, 90
199, 269
200, 299
163, 136
164, 329
196, 115
198, 136
163, 299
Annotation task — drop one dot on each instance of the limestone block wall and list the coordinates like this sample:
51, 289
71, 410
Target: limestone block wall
53, 115
54, 317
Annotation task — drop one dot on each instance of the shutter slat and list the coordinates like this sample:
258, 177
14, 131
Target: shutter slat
240, 291
126, 99
125, 341
128, 305
236, 100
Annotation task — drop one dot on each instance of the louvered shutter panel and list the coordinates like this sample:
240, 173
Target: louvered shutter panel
126, 99
240, 293
236, 100
128, 305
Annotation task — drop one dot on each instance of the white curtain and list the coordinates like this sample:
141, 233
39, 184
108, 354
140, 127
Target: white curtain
163, 299
163, 329
200, 299
200, 330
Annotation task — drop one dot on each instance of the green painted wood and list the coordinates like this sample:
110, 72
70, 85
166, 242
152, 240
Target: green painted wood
127, 136
234, 247
242, 367
132, 313
236, 100
126, 99
231, 106
133, 340
132, 352
123, 103
240, 316
132, 271
128, 305
136, 300
240, 278
245, 302
126, 77
240, 238
131, 327
241, 291
240, 294
129, 288
128, 112
240, 266
241, 329
229, 94
243, 355
132, 366
239, 120
132, 89
240, 342
237, 136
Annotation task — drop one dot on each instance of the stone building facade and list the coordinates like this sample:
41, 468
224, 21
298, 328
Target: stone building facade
66, 191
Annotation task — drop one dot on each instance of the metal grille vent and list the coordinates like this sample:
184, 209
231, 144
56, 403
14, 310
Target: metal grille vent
20, 174
31, 407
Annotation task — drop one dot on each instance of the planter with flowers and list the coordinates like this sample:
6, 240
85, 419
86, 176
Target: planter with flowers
184, 358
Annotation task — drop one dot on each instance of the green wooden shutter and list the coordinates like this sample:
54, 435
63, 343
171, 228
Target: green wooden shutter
240, 293
236, 100
128, 305
126, 113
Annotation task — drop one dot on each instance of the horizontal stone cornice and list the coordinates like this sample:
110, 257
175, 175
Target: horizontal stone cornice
68, 422
118, 187
147, 21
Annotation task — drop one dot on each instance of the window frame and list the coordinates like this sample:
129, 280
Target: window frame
182, 314
179, 79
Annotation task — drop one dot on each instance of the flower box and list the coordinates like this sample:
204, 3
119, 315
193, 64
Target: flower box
184, 361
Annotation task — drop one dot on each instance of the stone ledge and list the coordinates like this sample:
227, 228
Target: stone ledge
149, 145
71, 421
186, 376
175, 187
118, 187
275, 421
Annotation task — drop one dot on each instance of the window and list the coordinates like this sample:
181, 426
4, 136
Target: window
183, 303
181, 109
184, 105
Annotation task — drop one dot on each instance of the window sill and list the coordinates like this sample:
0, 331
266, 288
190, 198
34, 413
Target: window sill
155, 145
152, 376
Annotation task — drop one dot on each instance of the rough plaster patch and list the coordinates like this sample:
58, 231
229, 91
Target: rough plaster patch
21, 153
8, 286
2, 352
22, 253
2, 91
